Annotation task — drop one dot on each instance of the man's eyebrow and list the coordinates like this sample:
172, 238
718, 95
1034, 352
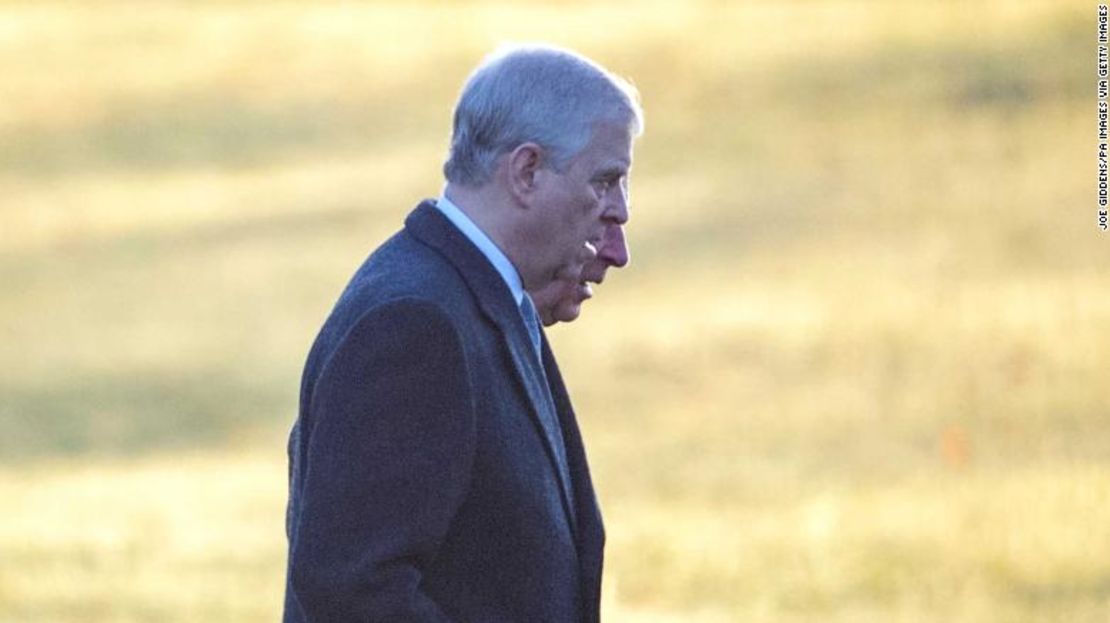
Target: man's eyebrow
615, 169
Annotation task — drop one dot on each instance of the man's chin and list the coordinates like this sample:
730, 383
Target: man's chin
567, 312
571, 307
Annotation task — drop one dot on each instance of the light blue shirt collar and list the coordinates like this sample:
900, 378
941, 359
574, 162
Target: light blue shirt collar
496, 257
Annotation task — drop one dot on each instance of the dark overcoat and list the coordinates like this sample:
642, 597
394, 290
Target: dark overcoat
423, 484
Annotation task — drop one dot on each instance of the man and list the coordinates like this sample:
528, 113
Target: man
436, 468
562, 300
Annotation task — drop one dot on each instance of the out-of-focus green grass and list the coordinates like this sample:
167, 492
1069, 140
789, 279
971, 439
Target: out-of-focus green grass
852, 374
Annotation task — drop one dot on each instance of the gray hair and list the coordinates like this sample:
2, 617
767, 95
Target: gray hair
534, 94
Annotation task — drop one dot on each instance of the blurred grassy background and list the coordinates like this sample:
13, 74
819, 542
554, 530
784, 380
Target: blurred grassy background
851, 375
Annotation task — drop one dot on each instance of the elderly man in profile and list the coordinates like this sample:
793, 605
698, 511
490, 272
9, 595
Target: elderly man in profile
436, 468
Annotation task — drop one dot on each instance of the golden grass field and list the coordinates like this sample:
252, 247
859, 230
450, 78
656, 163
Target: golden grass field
856, 371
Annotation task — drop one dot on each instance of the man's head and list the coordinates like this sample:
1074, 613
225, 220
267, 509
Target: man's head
540, 154
561, 301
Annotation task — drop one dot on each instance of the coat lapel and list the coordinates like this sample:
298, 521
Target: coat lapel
431, 227
591, 531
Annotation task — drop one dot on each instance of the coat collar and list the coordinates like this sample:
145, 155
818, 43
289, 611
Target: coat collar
432, 228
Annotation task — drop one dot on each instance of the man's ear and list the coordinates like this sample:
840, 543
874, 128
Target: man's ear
524, 163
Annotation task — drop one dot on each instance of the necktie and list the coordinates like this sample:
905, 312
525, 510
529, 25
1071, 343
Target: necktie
532, 323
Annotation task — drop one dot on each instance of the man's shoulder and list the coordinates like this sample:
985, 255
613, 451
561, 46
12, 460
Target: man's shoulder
404, 268
401, 273
402, 287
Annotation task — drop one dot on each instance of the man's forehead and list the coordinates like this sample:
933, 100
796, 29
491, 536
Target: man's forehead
609, 150
615, 157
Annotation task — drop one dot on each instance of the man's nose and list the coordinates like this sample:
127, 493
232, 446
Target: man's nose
614, 249
617, 211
